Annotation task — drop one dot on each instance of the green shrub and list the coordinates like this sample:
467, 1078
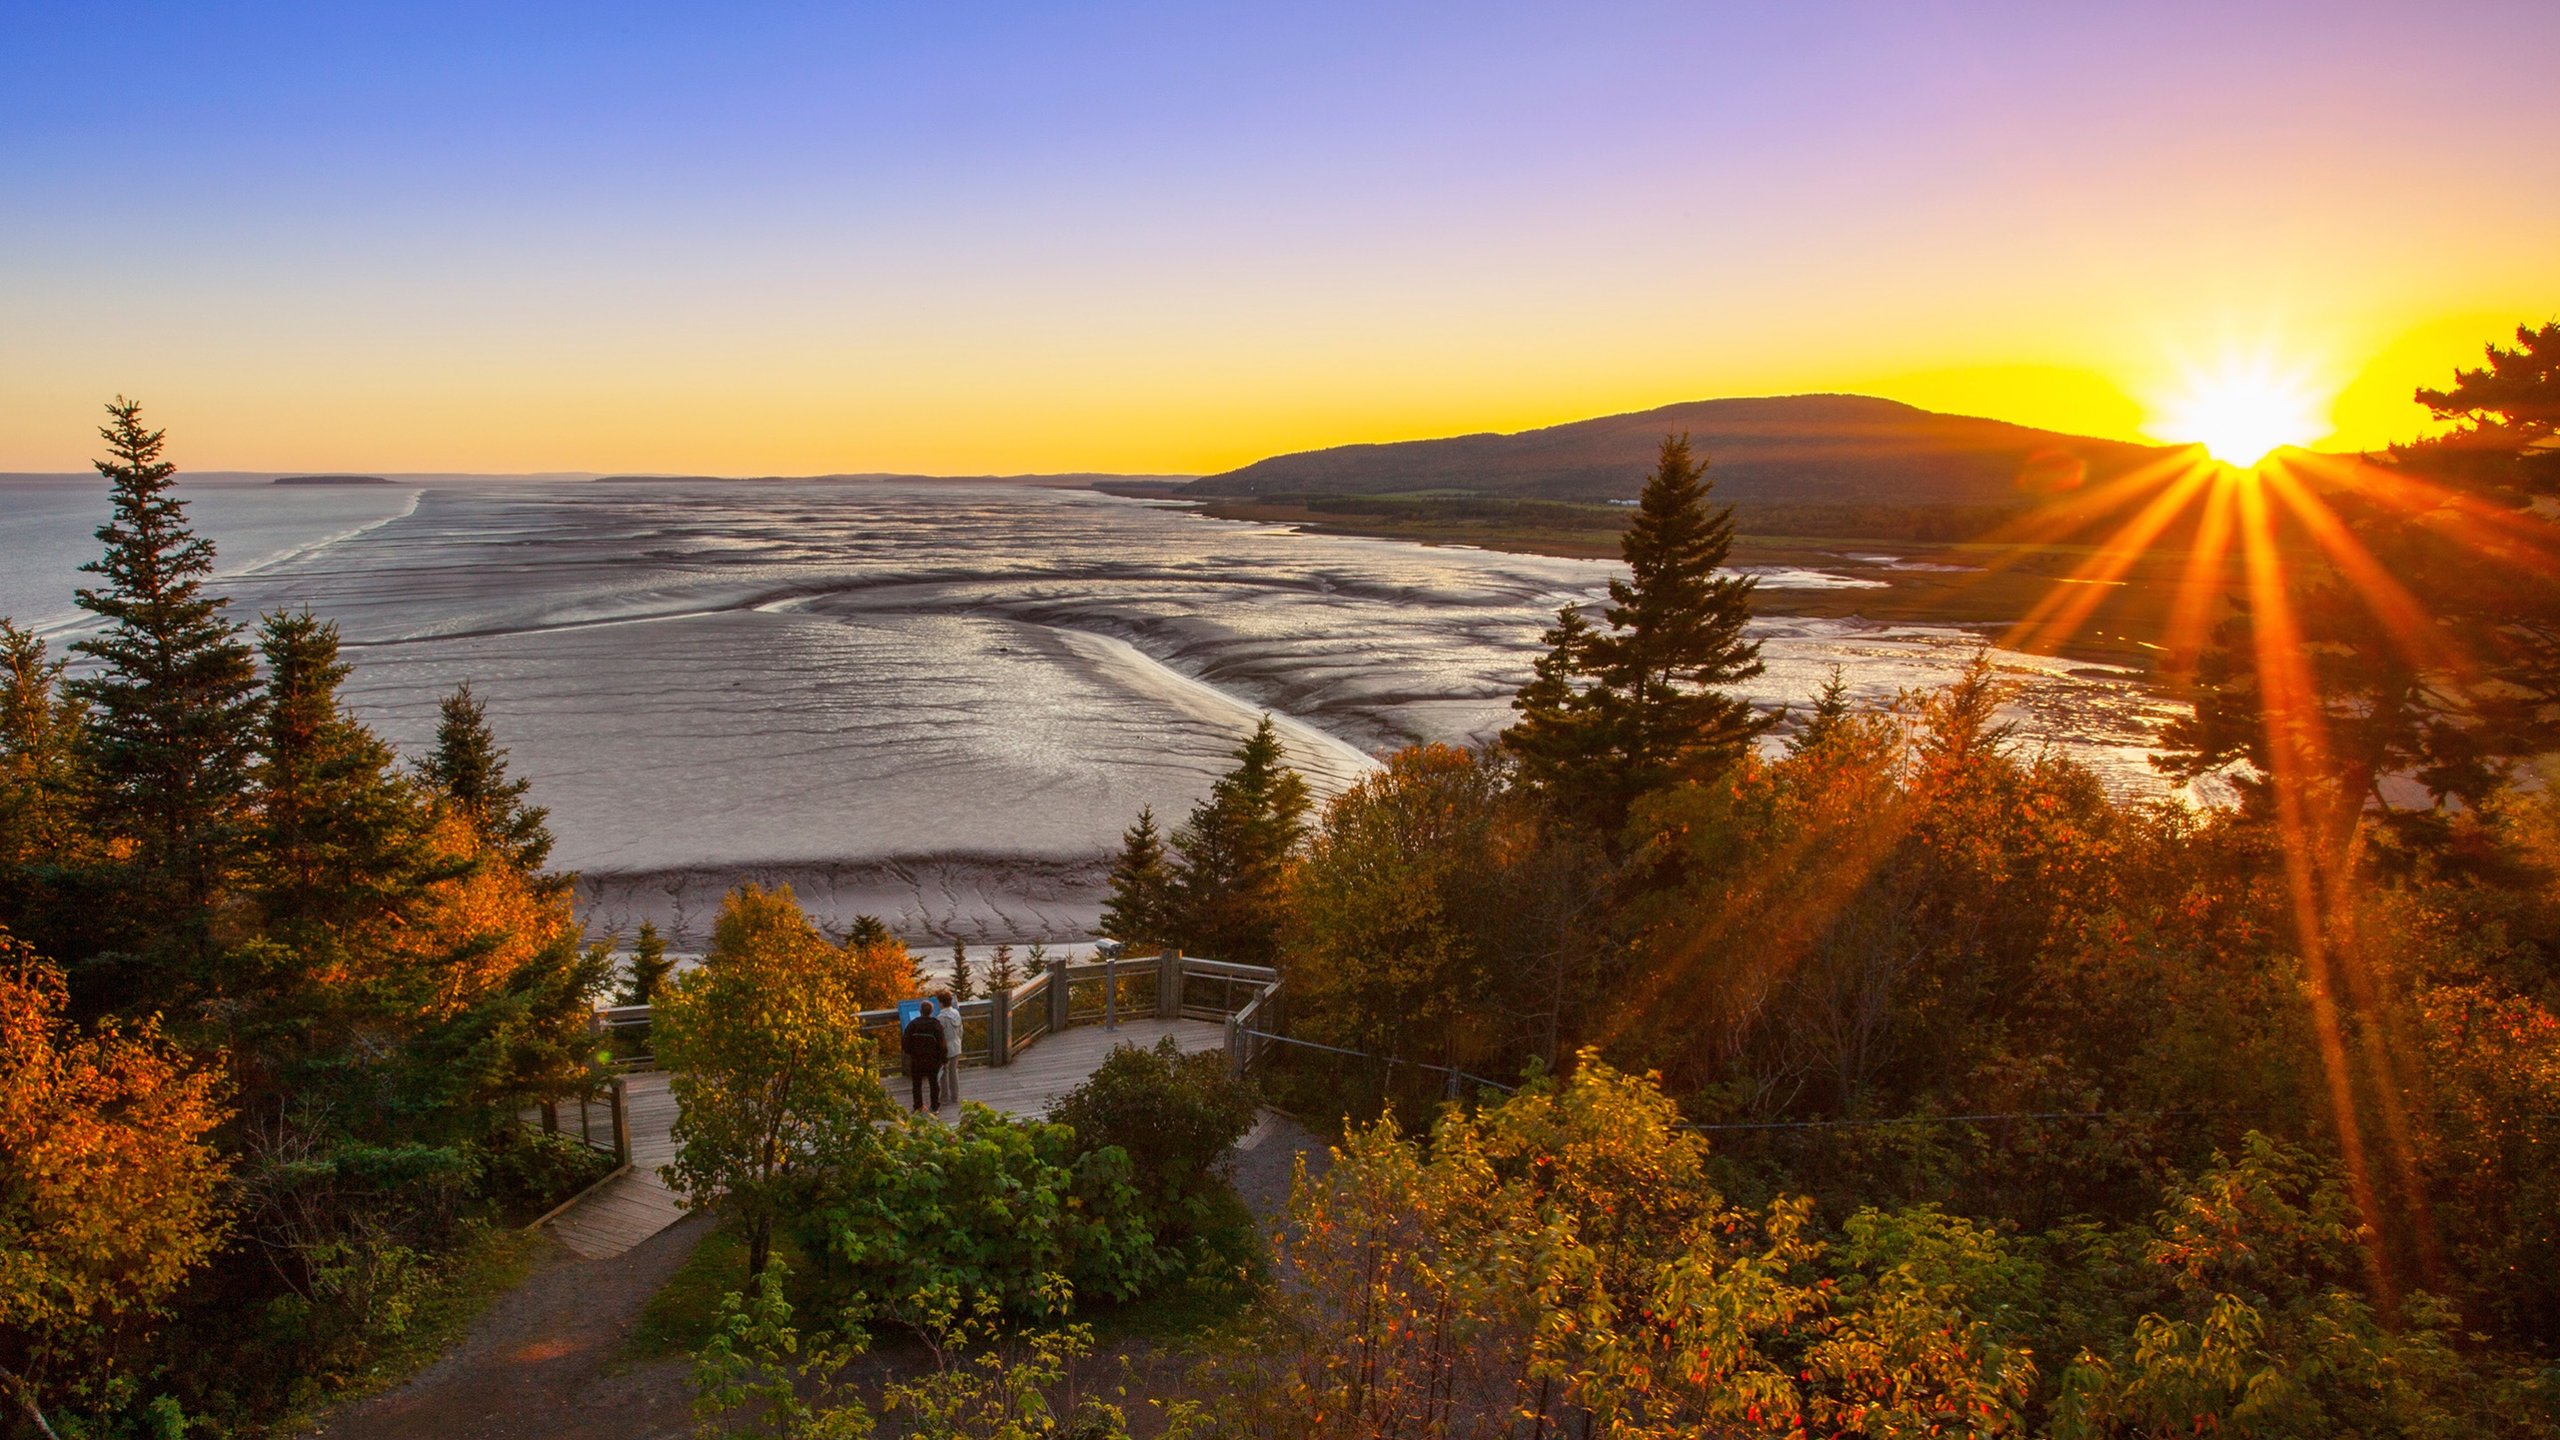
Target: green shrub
526, 1172
991, 1207
1177, 1116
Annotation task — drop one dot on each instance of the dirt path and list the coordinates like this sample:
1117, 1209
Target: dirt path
1267, 1159
546, 1361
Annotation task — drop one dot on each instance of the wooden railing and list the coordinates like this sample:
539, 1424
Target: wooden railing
995, 1029
1249, 1030
599, 1120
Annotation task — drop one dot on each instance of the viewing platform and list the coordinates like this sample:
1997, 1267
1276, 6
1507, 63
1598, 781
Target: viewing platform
1021, 1050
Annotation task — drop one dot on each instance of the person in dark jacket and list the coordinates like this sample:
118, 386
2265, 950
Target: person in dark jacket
922, 1041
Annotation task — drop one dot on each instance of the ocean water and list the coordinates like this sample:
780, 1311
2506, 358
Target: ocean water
941, 703
48, 530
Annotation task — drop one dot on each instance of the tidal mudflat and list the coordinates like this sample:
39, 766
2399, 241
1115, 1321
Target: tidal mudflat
941, 703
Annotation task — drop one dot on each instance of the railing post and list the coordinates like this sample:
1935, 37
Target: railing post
1057, 995
1000, 1027
1235, 1049
1110, 992
621, 1121
1169, 985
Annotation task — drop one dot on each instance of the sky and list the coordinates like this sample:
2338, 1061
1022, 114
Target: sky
996, 238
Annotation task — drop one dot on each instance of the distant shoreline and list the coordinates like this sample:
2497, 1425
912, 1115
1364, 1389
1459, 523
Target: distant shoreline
1979, 584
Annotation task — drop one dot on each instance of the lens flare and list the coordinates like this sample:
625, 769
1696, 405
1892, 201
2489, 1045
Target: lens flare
2242, 410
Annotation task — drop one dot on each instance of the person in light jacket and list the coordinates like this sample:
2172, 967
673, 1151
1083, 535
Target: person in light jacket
922, 1043
948, 1008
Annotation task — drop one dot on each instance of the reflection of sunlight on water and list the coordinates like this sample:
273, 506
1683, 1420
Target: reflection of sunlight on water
983, 674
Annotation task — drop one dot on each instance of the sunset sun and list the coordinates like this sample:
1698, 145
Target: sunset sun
2241, 411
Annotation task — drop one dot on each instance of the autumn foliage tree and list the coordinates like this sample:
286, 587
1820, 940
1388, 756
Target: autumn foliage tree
111, 1188
773, 1077
879, 972
1562, 1263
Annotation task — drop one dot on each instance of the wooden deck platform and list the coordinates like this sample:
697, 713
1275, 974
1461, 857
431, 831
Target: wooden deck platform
635, 1204
1058, 1063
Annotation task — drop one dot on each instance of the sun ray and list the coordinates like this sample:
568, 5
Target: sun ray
2295, 742
2512, 538
2201, 582
2420, 639
2063, 609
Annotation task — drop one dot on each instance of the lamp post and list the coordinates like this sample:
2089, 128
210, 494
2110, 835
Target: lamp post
1110, 950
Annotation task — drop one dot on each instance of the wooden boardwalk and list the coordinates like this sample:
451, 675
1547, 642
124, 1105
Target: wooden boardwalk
1058, 1063
635, 1204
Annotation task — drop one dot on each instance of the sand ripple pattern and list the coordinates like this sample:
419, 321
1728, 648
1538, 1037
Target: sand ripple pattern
942, 702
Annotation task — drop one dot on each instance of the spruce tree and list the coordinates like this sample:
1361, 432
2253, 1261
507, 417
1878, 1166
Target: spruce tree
1617, 712
649, 966
964, 986
42, 778
469, 768
1231, 887
1561, 723
1001, 974
1139, 911
173, 707
340, 835
1830, 712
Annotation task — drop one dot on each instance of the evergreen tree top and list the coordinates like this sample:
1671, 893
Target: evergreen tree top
154, 565
470, 767
1830, 710
1677, 617
1261, 789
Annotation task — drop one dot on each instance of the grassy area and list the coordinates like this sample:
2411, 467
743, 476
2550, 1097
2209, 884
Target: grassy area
493, 1261
678, 1318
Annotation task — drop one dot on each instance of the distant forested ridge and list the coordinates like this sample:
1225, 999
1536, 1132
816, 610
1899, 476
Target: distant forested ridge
1797, 449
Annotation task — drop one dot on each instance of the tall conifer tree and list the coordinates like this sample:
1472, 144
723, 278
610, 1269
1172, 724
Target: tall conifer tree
469, 767
1139, 911
340, 836
173, 708
1618, 712
1234, 854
